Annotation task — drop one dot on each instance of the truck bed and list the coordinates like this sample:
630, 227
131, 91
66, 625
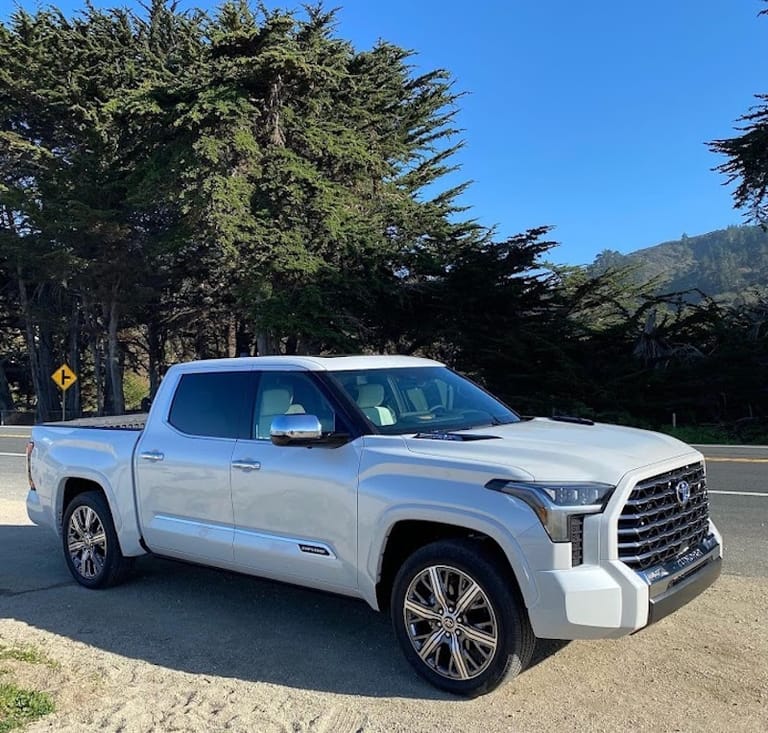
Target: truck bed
135, 421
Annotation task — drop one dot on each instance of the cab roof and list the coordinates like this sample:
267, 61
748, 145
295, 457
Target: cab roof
309, 363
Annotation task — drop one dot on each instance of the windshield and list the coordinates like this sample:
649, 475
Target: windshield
421, 399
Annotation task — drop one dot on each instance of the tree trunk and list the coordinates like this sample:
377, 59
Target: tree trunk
39, 352
244, 340
98, 370
29, 333
232, 336
6, 398
73, 399
46, 362
155, 356
265, 343
115, 402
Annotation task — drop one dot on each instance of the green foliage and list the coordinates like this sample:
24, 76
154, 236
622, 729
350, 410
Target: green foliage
135, 388
721, 264
19, 707
702, 434
178, 185
747, 160
28, 654
747, 163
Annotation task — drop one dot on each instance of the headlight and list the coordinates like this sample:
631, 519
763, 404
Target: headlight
555, 502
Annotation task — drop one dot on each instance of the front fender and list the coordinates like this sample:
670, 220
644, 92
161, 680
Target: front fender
474, 521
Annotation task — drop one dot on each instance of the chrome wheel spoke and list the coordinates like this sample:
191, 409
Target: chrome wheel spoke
421, 611
98, 562
82, 563
99, 539
479, 637
431, 644
75, 545
457, 654
76, 523
469, 595
437, 587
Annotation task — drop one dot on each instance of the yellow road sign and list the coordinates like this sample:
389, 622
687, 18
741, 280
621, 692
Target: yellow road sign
64, 377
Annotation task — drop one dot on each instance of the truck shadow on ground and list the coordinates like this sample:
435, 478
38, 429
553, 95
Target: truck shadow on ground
205, 621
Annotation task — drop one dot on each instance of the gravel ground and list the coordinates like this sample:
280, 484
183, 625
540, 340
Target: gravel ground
188, 649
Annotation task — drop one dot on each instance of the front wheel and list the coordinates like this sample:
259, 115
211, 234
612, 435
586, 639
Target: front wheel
457, 618
91, 549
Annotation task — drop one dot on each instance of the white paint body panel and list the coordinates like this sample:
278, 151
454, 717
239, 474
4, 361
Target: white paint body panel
299, 496
197, 505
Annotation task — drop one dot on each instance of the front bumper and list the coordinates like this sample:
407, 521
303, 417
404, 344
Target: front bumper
609, 601
610, 594
682, 580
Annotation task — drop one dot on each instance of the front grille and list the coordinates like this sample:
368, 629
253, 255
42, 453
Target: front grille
655, 527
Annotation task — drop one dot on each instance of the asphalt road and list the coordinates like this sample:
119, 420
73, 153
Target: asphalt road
737, 477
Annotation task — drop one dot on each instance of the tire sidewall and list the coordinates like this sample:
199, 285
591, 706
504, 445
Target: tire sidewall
477, 564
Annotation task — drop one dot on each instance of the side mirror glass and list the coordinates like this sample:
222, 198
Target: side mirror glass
295, 430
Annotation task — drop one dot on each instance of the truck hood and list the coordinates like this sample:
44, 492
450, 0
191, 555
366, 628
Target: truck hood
548, 450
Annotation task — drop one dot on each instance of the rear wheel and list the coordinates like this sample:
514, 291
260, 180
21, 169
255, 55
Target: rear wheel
458, 620
91, 549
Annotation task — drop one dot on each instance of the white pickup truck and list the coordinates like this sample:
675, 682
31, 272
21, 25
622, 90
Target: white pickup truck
395, 480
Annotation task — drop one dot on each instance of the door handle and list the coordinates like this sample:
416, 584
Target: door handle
247, 465
152, 455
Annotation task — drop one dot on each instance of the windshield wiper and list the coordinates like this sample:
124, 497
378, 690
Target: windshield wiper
455, 436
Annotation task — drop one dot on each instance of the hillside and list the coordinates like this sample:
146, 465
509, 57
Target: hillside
722, 264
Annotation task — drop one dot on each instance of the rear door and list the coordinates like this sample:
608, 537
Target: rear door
183, 467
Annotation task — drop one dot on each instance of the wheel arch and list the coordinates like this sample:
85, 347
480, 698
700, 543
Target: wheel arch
72, 486
405, 536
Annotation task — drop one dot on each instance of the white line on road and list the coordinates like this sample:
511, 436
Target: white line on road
739, 493
718, 459
19, 455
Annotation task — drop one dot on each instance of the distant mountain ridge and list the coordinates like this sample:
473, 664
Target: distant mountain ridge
723, 264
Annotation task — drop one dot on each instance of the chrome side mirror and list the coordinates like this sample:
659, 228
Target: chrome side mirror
295, 430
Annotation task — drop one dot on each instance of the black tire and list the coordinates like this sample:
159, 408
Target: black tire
496, 613
91, 549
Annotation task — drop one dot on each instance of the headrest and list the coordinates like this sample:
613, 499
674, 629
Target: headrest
370, 395
275, 401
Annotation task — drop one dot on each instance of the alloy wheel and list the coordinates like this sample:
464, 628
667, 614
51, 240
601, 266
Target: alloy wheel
86, 542
450, 622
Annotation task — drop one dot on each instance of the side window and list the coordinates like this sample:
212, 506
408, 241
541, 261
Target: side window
212, 404
289, 393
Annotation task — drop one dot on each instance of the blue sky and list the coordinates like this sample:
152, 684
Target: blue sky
590, 116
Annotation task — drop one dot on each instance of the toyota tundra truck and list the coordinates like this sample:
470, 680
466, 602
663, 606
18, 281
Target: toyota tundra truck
397, 481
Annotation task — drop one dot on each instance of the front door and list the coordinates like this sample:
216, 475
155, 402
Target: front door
295, 508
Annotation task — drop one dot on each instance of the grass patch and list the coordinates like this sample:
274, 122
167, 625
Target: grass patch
748, 431
702, 434
19, 706
27, 654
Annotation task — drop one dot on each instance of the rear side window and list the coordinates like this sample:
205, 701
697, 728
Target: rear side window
212, 404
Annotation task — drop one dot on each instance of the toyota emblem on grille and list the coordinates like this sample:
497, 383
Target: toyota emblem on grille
683, 491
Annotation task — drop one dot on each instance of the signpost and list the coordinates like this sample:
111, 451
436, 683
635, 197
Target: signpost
64, 378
